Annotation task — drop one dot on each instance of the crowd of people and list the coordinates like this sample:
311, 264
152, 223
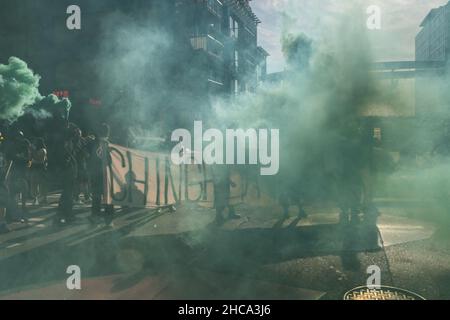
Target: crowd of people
66, 161
72, 165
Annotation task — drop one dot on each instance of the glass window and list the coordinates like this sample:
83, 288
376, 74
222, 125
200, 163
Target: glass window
236, 87
234, 28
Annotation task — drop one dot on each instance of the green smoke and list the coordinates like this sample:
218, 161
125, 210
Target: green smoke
52, 106
297, 48
19, 94
326, 107
317, 107
18, 89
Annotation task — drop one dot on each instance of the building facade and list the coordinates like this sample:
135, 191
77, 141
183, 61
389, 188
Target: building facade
225, 32
222, 32
433, 40
431, 88
213, 51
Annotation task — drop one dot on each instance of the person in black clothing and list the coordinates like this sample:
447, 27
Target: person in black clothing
98, 154
4, 198
18, 154
222, 193
63, 167
292, 196
82, 145
38, 172
4, 192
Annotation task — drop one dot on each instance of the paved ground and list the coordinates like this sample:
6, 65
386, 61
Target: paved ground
163, 255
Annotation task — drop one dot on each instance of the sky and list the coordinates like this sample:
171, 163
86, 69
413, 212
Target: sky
400, 20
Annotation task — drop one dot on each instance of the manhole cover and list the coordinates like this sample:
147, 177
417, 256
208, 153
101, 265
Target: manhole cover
383, 293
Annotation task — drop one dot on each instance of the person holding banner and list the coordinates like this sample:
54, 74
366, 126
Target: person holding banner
97, 170
38, 172
222, 193
293, 196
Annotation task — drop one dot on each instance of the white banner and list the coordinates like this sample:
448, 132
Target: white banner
140, 179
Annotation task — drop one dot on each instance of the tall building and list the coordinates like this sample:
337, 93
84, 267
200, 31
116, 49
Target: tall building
433, 53
433, 41
431, 85
226, 33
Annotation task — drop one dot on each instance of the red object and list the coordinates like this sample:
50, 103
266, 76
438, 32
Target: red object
62, 93
95, 102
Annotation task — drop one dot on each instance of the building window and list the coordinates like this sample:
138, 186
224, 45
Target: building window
234, 28
236, 60
258, 74
377, 134
236, 87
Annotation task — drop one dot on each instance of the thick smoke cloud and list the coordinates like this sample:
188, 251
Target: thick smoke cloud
141, 75
19, 89
297, 49
52, 106
317, 106
19, 95
326, 106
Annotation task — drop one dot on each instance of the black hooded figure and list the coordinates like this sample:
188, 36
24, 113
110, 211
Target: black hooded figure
18, 154
222, 193
62, 164
66, 169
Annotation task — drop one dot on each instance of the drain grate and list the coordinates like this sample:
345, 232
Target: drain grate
382, 293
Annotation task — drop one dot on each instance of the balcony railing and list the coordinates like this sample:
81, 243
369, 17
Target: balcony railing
215, 7
208, 44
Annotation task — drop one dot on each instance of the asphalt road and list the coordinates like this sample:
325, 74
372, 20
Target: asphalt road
163, 255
